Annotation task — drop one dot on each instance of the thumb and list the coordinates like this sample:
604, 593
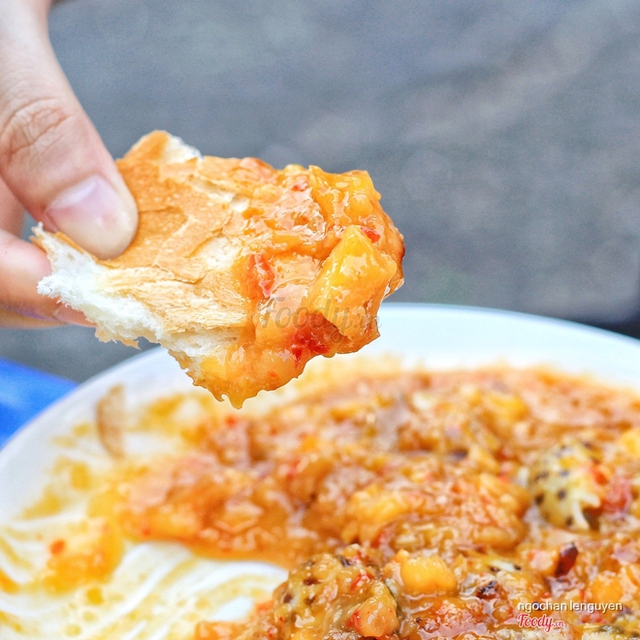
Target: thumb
51, 156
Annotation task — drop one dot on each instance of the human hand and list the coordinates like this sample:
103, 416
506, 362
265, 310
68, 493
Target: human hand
53, 165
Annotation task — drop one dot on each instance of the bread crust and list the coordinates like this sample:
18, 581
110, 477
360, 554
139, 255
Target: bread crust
242, 271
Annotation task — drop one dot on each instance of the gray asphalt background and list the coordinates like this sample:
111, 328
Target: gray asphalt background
503, 135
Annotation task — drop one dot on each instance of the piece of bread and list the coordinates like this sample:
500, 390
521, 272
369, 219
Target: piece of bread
241, 271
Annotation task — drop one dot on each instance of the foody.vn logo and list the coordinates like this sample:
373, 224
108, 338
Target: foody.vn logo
545, 622
347, 320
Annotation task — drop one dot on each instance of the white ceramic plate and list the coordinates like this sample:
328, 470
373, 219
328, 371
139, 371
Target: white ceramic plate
160, 589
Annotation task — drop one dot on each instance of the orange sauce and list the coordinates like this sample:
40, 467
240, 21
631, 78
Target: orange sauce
315, 274
88, 554
417, 505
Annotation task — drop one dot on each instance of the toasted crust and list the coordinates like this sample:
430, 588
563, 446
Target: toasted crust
242, 271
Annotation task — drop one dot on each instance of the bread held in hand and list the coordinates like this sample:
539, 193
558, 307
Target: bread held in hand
243, 272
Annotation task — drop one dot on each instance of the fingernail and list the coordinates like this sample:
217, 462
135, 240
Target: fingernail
96, 216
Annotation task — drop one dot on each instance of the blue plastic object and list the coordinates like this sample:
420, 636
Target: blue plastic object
25, 392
